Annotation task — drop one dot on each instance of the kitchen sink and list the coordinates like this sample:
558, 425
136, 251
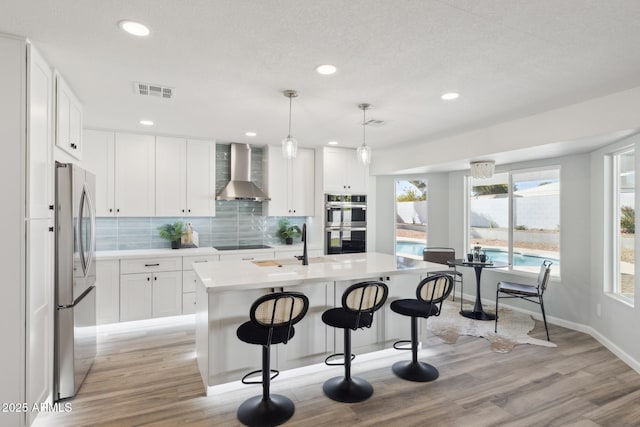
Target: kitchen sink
291, 261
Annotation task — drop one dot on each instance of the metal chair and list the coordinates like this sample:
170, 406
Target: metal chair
430, 294
527, 292
359, 302
440, 255
272, 319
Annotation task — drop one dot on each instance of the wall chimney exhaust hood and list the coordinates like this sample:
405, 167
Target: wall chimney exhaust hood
240, 187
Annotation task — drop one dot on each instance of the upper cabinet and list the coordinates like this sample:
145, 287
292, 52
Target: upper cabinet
290, 183
68, 119
124, 166
39, 147
342, 173
185, 177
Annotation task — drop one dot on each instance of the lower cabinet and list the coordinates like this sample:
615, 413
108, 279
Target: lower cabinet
145, 295
312, 340
107, 291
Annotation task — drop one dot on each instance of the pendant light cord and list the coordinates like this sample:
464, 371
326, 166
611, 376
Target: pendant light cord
364, 125
289, 117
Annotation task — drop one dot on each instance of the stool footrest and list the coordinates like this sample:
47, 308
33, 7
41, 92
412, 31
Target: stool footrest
402, 342
244, 380
326, 361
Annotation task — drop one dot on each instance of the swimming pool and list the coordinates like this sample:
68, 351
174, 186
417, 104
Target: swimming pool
519, 260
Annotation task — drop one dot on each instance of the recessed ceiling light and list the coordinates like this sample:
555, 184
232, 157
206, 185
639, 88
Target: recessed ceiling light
333, 142
135, 28
146, 122
450, 95
250, 133
326, 69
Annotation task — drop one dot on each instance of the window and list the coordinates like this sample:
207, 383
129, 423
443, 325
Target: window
515, 218
624, 223
411, 217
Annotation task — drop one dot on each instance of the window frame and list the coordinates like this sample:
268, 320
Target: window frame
614, 286
511, 213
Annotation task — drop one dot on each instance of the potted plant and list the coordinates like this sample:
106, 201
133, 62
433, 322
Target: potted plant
287, 232
172, 232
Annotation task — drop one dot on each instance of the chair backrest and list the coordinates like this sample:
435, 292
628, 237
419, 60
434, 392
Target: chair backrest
435, 289
543, 275
365, 298
438, 255
279, 309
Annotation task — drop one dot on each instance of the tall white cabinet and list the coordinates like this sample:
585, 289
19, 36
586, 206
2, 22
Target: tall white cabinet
185, 177
290, 183
124, 165
26, 319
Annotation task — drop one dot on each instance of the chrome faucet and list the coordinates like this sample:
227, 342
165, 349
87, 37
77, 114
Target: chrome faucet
304, 257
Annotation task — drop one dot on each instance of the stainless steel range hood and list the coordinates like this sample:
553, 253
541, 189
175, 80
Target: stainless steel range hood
240, 187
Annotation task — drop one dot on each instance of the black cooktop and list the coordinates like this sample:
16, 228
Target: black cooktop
236, 247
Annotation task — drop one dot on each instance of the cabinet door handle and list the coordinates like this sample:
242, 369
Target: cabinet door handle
247, 259
189, 210
117, 210
155, 277
110, 210
152, 265
148, 278
182, 210
50, 207
199, 261
50, 228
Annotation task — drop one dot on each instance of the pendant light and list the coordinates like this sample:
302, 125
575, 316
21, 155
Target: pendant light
364, 152
290, 144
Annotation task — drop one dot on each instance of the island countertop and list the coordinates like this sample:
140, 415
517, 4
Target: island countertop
237, 275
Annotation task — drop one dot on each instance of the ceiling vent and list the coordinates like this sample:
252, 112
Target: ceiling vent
147, 89
374, 123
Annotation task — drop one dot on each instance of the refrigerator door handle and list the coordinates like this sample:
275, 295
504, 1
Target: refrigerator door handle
86, 257
92, 220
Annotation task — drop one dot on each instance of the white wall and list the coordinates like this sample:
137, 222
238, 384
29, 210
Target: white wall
618, 322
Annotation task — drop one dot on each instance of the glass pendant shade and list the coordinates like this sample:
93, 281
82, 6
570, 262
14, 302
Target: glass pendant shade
289, 147
364, 154
290, 144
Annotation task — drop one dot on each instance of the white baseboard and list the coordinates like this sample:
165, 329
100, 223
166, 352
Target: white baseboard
537, 315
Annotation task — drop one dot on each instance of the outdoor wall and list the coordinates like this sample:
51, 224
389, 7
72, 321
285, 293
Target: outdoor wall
617, 322
541, 212
412, 212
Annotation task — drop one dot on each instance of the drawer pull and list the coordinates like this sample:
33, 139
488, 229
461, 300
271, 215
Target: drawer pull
202, 260
152, 265
247, 259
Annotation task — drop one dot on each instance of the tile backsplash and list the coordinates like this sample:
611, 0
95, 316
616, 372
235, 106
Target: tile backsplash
235, 223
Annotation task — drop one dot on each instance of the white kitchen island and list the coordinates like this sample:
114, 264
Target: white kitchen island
226, 290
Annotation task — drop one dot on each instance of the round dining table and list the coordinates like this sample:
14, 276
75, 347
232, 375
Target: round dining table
477, 313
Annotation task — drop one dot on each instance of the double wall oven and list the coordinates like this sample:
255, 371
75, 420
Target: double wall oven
345, 223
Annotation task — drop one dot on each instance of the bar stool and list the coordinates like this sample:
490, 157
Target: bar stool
430, 294
359, 302
272, 319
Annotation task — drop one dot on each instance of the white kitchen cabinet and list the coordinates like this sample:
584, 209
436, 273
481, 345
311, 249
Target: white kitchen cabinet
342, 173
134, 175
68, 119
396, 326
135, 296
185, 177
313, 338
150, 287
189, 280
290, 183
107, 291
40, 127
98, 158
146, 295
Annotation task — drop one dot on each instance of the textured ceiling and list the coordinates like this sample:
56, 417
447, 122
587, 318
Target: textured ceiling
230, 60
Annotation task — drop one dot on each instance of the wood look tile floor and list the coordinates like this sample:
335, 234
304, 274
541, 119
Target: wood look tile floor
147, 376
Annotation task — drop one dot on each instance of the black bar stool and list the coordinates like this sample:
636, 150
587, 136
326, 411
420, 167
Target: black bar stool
430, 294
359, 302
272, 319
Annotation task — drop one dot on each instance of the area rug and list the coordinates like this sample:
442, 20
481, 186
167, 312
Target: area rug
513, 328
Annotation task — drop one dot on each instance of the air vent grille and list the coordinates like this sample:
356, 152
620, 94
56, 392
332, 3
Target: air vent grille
374, 123
148, 89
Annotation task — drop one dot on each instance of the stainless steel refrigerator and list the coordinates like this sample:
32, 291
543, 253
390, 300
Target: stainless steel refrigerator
75, 276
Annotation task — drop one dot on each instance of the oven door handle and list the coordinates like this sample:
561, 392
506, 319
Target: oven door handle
353, 228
